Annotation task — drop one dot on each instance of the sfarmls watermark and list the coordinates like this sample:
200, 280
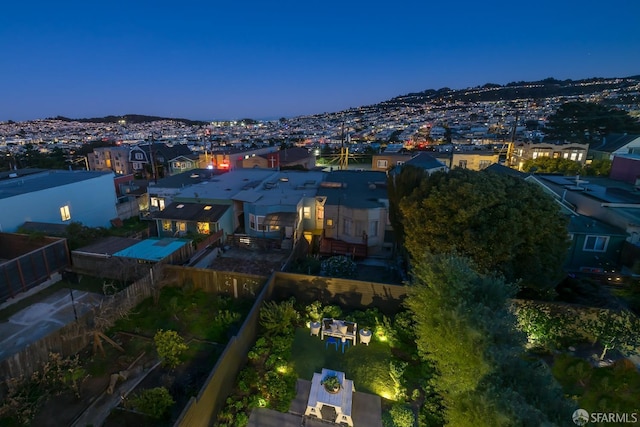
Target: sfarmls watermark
582, 417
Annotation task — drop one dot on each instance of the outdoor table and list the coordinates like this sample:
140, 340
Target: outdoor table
341, 401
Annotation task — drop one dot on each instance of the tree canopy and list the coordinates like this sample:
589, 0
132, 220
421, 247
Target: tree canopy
463, 327
399, 186
550, 165
504, 224
587, 122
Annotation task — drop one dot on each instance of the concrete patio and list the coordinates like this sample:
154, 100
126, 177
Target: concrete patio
366, 411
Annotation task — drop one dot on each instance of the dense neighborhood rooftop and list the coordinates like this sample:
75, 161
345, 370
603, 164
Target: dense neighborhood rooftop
41, 181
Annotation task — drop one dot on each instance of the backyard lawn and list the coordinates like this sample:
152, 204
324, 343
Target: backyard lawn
367, 366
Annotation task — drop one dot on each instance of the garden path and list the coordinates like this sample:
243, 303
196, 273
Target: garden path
100, 409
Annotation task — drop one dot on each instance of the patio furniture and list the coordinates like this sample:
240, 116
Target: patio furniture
345, 343
341, 400
332, 341
315, 328
342, 327
339, 329
365, 336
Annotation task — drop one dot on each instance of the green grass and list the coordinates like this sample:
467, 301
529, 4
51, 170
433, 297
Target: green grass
610, 389
191, 313
367, 366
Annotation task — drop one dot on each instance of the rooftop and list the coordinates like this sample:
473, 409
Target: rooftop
153, 249
227, 185
284, 188
359, 189
194, 176
24, 184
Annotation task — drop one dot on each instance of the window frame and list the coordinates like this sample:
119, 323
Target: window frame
586, 247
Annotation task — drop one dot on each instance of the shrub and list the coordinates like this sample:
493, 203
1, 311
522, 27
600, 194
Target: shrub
154, 402
339, 266
398, 416
277, 317
170, 347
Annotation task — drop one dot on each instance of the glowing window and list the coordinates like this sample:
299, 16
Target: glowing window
65, 214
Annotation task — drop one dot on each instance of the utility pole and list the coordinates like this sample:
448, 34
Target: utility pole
343, 162
153, 163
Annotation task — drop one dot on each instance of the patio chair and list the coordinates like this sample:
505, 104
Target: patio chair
345, 343
332, 341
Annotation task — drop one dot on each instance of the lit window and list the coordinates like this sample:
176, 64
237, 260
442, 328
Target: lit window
207, 208
306, 212
596, 244
182, 226
382, 163
154, 202
203, 227
580, 157
329, 222
166, 225
180, 206
64, 213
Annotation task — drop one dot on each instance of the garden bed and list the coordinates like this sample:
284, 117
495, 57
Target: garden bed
204, 321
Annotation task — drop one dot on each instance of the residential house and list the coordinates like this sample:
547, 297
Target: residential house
474, 160
161, 193
594, 246
183, 163
422, 160
57, 197
385, 161
284, 207
615, 144
156, 161
229, 159
223, 189
523, 151
287, 158
115, 158
183, 219
626, 168
615, 204
355, 210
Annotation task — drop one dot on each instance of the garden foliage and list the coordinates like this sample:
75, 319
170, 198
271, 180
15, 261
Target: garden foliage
464, 327
154, 402
170, 347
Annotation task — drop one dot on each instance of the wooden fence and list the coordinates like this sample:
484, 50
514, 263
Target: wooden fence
75, 336
203, 409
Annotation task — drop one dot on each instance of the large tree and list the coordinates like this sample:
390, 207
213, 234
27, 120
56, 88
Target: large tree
463, 326
502, 223
401, 182
587, 122
551, 165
